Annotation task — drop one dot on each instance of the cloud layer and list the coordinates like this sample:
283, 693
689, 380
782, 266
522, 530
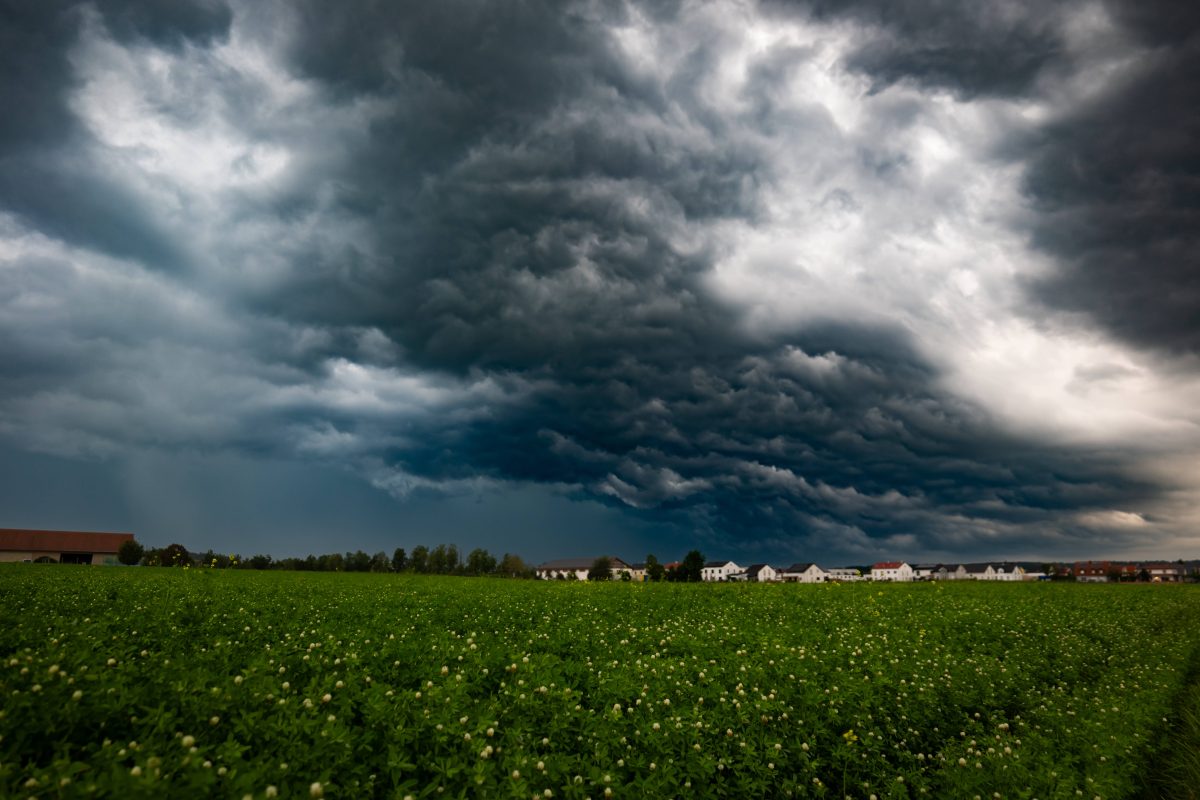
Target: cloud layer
827, 279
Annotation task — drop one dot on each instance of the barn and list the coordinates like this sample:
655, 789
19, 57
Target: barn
61, 547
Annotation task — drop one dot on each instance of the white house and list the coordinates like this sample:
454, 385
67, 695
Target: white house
891, 571
578, 567
843, 574
761, 573
718, 570
927, 572
637, 572
1008, 572
803, 573
979, 572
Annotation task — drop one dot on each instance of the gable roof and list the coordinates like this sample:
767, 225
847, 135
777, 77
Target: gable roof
36, 541
754, 569
798, 567
717, 564
888, 565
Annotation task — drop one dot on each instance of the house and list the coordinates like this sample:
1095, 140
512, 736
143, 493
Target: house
928, 572
803, 573
718, 570
1165, 573
60, 547
891, 571
844, 574
578, 567
637, 572
1103, 571
1008, 572
979, 572
761, 573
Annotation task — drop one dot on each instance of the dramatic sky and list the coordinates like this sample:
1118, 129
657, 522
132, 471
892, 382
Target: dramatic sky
826, 280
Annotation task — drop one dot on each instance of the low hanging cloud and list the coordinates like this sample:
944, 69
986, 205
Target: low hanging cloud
761, 274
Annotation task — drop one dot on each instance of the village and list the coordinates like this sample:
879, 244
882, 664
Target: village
886, 571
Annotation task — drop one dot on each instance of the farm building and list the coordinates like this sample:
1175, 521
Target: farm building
60, 547
718, 570
578, 567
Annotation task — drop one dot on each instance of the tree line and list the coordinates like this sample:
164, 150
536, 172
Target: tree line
444, 559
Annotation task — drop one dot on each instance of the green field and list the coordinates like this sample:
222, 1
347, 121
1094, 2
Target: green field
171, 683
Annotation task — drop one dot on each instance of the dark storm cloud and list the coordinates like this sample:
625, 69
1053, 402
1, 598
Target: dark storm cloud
1116, 186
979, 47
523, 211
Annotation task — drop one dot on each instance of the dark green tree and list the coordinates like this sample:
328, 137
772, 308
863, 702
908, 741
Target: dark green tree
480, 562
380, 562
130, 552
399, 560
692, 566
260, 561
174, 555
437, 559
420, 558
513, 566
654, 570
453, 562
601, 569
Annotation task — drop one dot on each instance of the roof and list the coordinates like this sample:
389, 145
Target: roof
717, 564
798, 567
61, 541
582, 563
754, 569
888, 565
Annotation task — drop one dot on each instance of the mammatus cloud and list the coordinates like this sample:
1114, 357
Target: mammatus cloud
759, 275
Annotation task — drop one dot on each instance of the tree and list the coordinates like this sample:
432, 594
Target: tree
654, 570
625, 576
452, 560
380, 562
358, 561
437, 559
130, 552
692, 566
420, 558
601, 569
260, 561
174, 555
399, 560
512, 566
480, 562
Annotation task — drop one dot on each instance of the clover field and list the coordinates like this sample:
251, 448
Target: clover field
141, 682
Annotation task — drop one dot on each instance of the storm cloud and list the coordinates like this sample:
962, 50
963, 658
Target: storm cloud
812, 279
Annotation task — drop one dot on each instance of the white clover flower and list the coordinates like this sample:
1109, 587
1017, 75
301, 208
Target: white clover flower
272, 791
325, 698
188, 740
316, 790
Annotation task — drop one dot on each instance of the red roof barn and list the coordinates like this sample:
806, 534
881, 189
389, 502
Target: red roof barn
66, 547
